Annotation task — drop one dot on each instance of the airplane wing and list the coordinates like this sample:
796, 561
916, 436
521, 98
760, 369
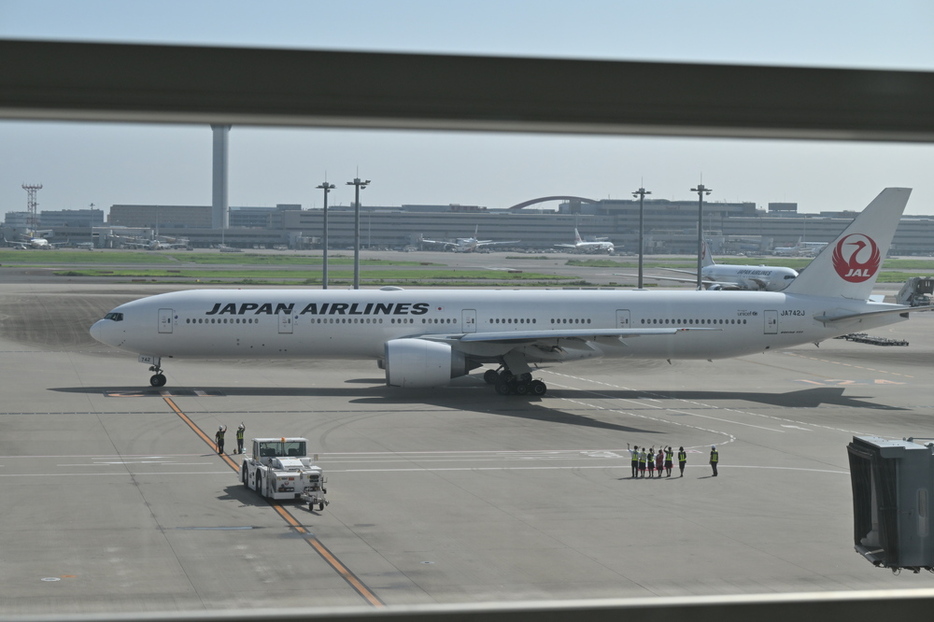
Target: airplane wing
691, 272
551, 336
491, 242
706, 282
439, 242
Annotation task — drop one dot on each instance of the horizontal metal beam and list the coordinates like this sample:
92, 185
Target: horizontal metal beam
851, 606
153, 83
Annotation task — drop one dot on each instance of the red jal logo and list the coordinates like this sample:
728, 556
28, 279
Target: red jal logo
856, 258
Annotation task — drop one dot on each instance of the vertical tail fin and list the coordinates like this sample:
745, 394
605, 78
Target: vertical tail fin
706, 257
848, 266
577, 236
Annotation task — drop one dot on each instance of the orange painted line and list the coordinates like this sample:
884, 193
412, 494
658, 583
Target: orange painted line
204, 437
311, 539
329, 557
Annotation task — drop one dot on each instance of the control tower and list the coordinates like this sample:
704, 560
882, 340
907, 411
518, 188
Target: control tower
219, 203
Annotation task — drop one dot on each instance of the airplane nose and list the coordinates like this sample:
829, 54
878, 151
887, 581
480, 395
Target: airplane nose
97, 331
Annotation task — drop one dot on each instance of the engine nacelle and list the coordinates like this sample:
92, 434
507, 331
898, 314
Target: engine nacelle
419, 363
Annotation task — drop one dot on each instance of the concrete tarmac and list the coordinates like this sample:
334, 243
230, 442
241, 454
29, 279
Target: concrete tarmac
114, 502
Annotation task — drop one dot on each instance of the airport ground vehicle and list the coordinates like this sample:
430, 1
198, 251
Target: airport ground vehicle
279, 468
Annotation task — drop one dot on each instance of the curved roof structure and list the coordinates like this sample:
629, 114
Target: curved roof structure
559, 197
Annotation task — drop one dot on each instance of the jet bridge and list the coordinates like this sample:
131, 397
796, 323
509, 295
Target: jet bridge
893, 482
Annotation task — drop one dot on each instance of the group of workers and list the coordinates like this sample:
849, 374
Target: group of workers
647, 461
219, 438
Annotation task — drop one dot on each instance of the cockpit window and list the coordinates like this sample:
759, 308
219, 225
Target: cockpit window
116, 317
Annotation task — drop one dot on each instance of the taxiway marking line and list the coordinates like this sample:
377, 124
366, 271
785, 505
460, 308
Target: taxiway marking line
293, 522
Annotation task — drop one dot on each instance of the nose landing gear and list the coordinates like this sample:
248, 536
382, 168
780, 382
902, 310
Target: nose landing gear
158, 378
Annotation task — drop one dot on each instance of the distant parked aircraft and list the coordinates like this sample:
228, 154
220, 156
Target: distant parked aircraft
468, 245
726, 276
597, 246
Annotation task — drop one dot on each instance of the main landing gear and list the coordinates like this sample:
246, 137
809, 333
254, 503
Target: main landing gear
507, 383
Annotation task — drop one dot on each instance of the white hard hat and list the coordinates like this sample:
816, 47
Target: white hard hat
220, 427
713, 446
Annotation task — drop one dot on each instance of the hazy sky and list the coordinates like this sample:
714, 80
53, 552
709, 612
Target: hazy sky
104, 164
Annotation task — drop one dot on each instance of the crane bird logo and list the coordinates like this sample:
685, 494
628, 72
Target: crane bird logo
856, 258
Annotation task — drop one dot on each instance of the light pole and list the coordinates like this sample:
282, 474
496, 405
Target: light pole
641, 192
358, 184
701, 190
324, 257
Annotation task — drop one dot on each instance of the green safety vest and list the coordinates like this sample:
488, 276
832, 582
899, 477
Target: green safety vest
239, 434
682, 456
714, 456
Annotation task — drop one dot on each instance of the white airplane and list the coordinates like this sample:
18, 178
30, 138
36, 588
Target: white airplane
30, 242
597, 246
423, 338
726, 276
468, 245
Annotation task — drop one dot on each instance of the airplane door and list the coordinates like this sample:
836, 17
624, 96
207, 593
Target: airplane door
166, 320
469, 320
771, 322
285, 323
622, 318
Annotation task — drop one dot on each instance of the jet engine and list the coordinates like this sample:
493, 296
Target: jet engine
419, 363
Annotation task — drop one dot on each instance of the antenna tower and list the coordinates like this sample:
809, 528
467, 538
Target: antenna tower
32, 220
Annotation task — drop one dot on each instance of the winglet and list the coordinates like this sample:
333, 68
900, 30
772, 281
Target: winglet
848, 266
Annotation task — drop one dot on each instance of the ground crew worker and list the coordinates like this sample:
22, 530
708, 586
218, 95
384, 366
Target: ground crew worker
642, 463
219, 438
660, 461
650, 462
669, 454
714, 459
634, 454
240, 431
682, 459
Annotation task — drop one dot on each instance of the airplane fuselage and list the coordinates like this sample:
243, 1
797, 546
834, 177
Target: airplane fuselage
293, 323
771, 279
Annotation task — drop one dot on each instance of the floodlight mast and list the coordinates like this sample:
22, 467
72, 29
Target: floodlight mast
359, 185
641, 192
324, 257
701, 190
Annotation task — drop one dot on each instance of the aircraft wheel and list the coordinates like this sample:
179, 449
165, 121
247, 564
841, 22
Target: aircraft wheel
522, 388
158, 380
537, 388
490, 376
502, 387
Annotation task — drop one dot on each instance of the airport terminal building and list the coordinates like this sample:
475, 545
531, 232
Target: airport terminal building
670, 226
